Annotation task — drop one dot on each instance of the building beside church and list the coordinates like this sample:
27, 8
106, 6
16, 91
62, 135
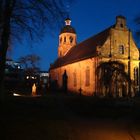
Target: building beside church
76, 66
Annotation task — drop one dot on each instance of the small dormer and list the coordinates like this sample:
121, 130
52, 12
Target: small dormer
120, 23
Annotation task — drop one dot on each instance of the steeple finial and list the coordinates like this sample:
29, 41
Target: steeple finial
67, 20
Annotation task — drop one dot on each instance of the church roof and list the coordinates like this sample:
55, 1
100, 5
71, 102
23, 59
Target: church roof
67, 29
83, 50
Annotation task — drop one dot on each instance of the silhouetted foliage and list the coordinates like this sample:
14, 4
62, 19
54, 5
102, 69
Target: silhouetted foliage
29, 61
112, 78
25, 17
30, 64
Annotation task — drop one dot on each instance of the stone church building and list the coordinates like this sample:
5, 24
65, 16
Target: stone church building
76, 66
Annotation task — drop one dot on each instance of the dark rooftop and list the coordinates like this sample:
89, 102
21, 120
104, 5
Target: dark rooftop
83, 50
68, 29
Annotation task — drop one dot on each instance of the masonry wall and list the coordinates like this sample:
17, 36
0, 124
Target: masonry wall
110, 50
77, 69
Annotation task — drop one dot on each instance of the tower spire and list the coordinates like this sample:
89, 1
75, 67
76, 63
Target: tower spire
67, 38
67, 20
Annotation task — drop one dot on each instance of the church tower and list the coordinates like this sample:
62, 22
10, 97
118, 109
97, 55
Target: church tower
67, 38
121, 23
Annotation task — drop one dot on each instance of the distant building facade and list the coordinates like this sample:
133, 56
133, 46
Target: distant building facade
14, 74
79, 62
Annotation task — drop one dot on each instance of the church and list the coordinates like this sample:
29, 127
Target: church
77, 67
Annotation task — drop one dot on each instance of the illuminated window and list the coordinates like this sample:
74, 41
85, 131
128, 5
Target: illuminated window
121, 25
74, 79
136, 76
64, 39
61, 40
87, 72
121, 49
71, 39
60, 53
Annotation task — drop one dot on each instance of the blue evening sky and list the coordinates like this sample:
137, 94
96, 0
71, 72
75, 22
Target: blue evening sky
88, 18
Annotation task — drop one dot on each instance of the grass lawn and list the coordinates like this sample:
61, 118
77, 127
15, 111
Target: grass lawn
69, 117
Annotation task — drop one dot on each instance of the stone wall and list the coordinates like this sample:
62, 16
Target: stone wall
77, 69
119, 46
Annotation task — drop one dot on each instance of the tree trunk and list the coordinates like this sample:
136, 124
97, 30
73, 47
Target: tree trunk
5, 35
4, 47
2, 73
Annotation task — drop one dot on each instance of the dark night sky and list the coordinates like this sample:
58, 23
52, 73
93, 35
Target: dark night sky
88, 18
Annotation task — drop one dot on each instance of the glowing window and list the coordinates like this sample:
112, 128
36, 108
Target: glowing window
121, 25
136, 76
64, 39
121, 49
71, 39
74, 79
60, 53
87, 76
61, 40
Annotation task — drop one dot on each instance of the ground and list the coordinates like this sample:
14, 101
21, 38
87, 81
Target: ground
59, 116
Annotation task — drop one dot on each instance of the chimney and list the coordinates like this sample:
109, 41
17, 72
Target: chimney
120, 22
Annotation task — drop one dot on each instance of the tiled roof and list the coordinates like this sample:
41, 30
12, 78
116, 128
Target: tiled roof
83, 50
67, 29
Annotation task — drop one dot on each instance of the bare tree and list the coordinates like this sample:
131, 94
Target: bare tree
25, 17
29, 61
112, 76
34, 59
23, 62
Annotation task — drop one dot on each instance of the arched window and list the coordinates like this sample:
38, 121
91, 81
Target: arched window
71, 39
121, 49
74, 79
60, 40
64, 39
136, 76
121, 25
60, 54
87, 76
